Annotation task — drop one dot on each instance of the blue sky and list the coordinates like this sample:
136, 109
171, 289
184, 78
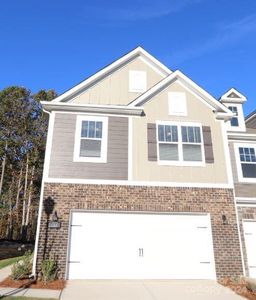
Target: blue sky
57, 43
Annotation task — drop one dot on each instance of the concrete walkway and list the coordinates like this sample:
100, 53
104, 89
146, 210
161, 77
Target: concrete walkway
38, 293
146, 290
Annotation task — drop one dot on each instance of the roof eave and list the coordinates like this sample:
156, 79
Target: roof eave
87, 108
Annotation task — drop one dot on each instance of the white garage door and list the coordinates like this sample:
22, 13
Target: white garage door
250, 244
140, 246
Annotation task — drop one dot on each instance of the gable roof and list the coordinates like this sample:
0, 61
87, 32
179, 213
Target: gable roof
139, 51
233, 96
222, 111
250, 116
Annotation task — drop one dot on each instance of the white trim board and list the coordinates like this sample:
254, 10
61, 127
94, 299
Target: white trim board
139, 183
240, 99
139, 51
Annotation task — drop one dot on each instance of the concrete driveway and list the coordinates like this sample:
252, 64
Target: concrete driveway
146, 290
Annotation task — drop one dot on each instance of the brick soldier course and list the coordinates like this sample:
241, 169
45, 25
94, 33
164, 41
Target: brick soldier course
217, 202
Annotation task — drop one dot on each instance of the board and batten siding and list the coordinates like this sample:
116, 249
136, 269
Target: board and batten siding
61, 161
242, 189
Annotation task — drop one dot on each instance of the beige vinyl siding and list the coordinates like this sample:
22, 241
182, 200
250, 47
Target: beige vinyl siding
114, 88
242, 189
61, 161
252, 122
157, 109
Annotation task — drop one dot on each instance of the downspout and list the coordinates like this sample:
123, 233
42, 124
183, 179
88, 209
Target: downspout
48, 141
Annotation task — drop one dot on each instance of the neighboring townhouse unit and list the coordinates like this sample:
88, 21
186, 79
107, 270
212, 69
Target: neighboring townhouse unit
242, 146
138, 175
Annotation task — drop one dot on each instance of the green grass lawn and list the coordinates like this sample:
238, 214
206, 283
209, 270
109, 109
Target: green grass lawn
25, 298
9, 261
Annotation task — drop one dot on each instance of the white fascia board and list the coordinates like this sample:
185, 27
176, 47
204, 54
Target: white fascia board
222, 111
89, 108
250, 116
136, 52
240, 99
241, 137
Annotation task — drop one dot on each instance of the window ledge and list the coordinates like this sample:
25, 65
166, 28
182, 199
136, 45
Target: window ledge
181, 163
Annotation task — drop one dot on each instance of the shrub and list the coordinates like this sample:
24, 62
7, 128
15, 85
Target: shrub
49, 270
22, 268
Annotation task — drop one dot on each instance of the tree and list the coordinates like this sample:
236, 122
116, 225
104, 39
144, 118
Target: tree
23, 129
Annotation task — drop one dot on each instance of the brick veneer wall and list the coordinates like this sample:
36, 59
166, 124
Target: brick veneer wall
245, 213
138, 198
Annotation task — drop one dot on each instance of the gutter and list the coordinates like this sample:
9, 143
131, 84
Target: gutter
89, 108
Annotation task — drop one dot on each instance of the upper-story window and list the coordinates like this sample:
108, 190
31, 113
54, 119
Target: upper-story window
137, 81
180, 143
177, 103
246, 162
234, 122
91, 139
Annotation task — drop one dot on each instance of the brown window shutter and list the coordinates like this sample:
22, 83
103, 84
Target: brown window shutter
152, 142
208, 148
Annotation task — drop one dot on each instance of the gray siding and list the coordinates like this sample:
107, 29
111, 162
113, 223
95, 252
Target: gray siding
241, 189
61, 161
252, 122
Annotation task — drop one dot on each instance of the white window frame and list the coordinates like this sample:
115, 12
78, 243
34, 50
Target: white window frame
104, 139
171, 96
144, 83
181, 162
240, 117
241, 178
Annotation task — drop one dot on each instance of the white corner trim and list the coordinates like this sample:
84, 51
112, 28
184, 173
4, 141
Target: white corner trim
227, 154
104, 140
48, 148
138, 183
238, 162
107, 70
130, 148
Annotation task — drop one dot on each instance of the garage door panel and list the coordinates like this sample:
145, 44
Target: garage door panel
250, 244
147, 246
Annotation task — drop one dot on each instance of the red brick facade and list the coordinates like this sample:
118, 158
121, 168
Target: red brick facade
217, 202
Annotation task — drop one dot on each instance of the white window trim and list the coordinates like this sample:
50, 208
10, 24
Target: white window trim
104, 140
181, 162
144, 88
238, 162
170, 112
240, 117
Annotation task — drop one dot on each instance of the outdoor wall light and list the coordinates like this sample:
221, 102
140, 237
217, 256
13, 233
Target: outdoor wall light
224, 220
54, 223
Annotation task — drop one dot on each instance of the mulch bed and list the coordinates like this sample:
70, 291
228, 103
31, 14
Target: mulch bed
33, 284
240, 287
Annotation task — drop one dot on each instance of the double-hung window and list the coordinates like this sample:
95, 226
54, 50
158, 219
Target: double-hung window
91, 139
234, 122
180, 143
246, 162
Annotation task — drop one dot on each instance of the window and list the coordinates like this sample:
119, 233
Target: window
91, 139
177, 104
234, 121
179, 143
137, 81
248, 162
